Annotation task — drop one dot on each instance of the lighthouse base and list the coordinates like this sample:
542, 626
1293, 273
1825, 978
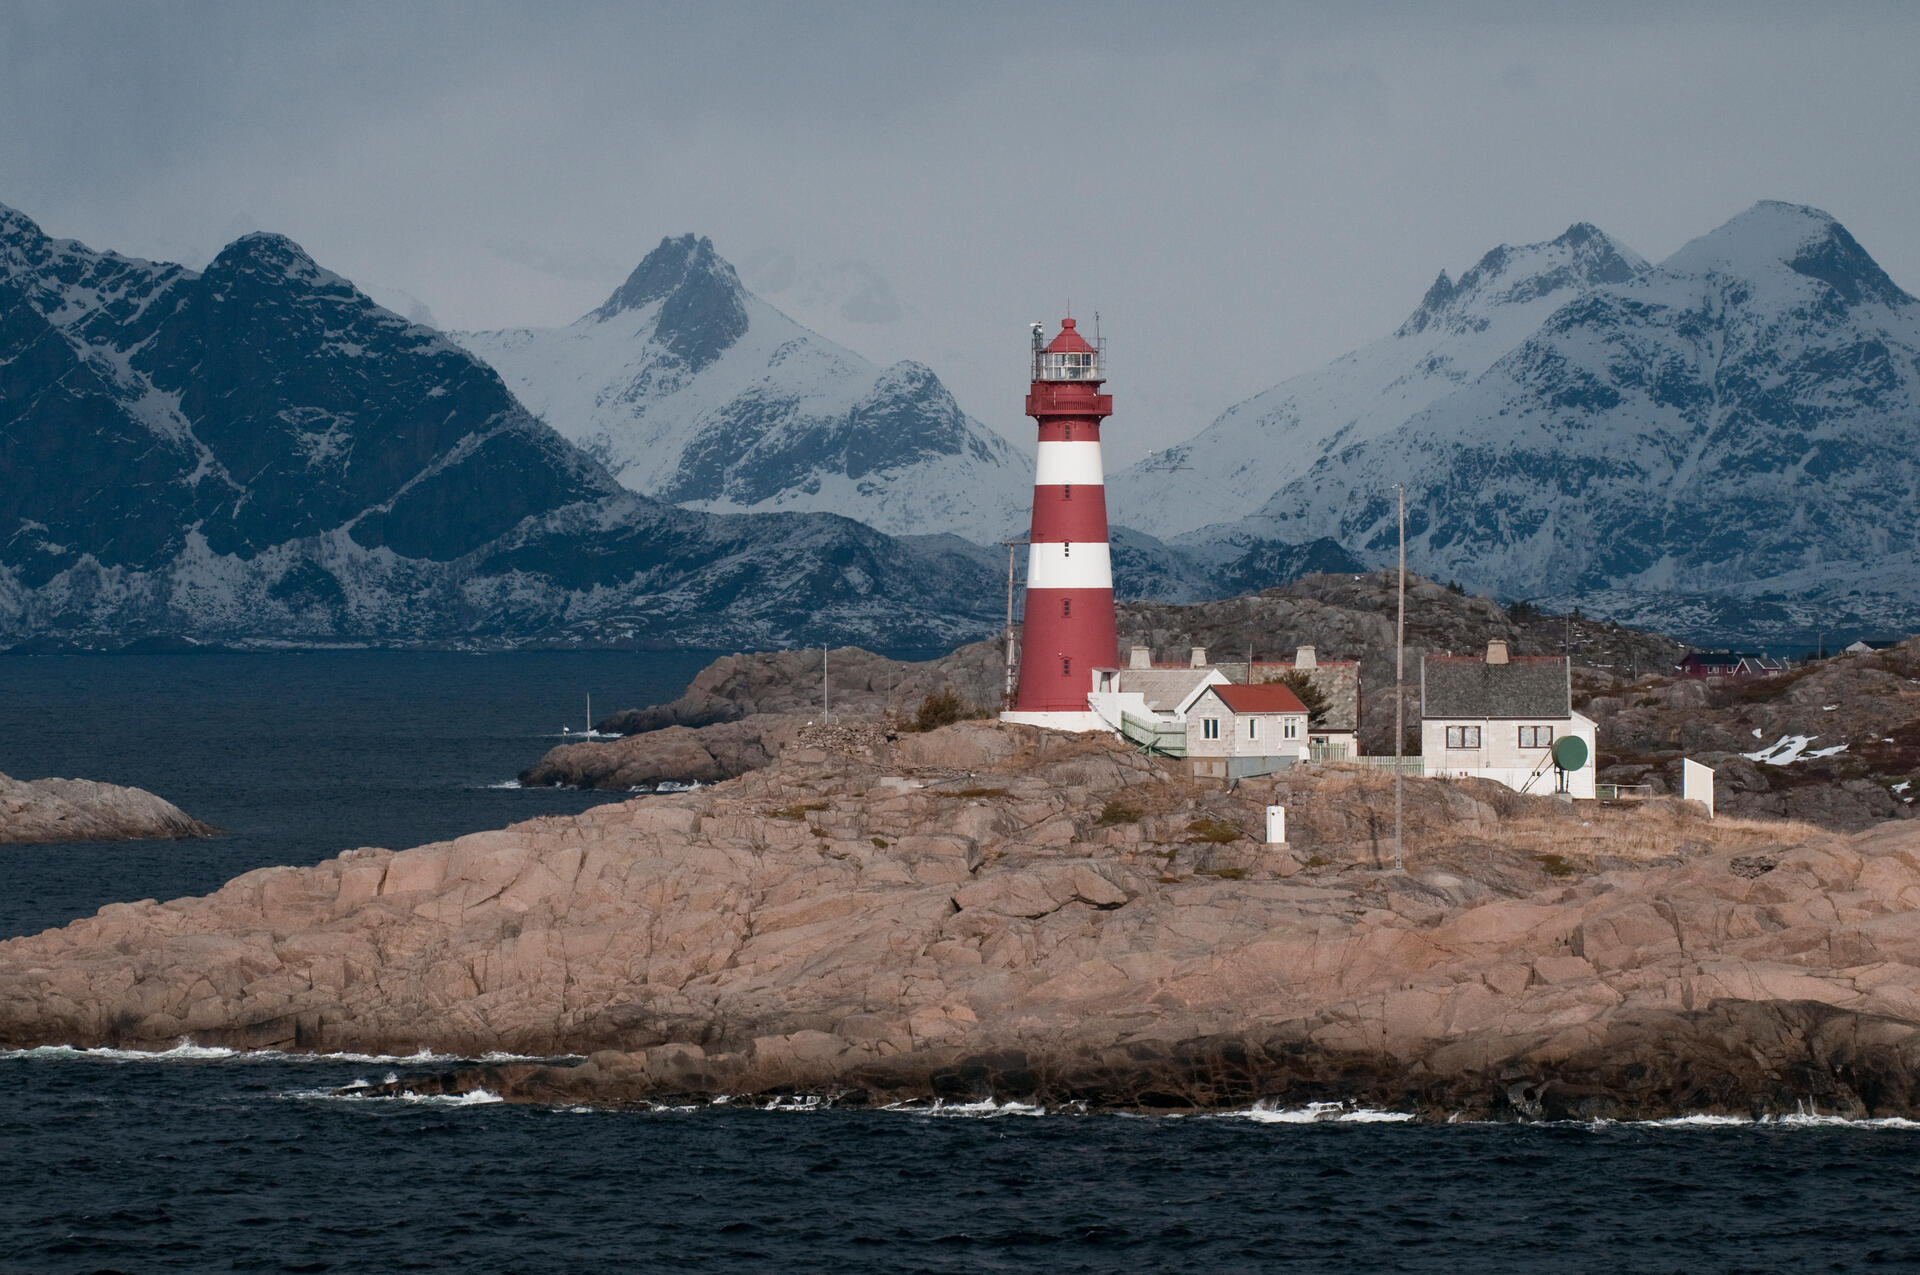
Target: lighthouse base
1087, 721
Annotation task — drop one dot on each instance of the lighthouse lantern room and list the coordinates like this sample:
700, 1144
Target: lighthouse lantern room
1069, 628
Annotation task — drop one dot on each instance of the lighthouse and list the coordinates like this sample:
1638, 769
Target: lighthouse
1069, 628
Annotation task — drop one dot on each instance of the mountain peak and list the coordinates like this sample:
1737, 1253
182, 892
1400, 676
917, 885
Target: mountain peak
702, 310
1808, 241
15, 224
674, 266
264, 253
1582, 257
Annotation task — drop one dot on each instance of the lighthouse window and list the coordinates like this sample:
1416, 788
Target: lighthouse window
1066, 491
1066, 548
1066, 666
1069, 433
1066, 606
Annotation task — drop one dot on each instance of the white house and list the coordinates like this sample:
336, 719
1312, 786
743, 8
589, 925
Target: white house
1149, 705
1498, 716
1336, 737
1230, 720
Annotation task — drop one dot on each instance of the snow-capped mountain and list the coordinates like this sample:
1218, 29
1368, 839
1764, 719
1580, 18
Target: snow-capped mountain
261, 452
693, 390
1724, 445
1743, 420
1231, 468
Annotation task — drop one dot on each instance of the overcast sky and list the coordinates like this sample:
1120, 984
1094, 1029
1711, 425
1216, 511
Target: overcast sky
1241, 191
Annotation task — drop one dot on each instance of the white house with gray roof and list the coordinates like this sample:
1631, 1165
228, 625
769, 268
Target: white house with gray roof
1498, 716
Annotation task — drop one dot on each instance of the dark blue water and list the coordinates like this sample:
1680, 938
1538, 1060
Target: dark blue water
298, 756
246, 1164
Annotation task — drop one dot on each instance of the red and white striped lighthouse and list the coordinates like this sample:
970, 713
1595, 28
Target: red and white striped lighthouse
1069, 629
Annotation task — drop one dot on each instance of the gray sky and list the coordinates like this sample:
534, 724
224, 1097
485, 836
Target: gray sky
1242, 191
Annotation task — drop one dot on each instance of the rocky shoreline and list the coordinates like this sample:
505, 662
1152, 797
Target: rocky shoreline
51, 810
988, 910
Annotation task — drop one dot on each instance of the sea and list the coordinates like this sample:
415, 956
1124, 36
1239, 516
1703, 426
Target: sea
202, 1159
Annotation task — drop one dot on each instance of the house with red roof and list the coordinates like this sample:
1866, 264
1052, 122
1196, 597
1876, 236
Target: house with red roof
1231, 720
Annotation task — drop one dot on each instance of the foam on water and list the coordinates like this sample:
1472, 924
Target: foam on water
1267, 1112
473, 1098
187, 1051
986, 1107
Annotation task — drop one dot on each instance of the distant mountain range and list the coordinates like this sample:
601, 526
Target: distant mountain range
260, 453
1726, 445
693, 390
1723, 446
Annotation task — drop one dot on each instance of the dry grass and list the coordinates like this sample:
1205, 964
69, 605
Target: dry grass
1646, 832
799, 810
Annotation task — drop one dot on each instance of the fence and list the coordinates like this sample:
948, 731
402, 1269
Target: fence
1623, 792
1169, 739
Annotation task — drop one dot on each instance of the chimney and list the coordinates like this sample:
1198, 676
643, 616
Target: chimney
1497, 651
1199, 657
1139, 657
1305, 658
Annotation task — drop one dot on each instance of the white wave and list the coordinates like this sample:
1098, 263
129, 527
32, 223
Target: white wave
986, 1107
506, 784
472, 1098
187, 1051
1266, 1111
1700, 1121
796, 1102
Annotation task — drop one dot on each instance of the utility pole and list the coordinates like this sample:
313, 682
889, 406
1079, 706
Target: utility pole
823, 684
1011, 545
1399, 698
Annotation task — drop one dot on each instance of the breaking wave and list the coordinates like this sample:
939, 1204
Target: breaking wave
187, 1051
1268, 1112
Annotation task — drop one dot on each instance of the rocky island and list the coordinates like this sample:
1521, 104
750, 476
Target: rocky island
40, 810
992, 911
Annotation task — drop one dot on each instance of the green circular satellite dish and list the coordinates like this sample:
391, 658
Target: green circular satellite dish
1569, 752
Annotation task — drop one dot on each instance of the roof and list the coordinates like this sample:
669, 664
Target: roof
1271, 697
1164, 689
1729, 658
1337, 680
1468, 686
1069, 341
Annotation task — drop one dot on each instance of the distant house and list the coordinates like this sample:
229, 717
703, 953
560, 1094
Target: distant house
1864, 647
1732, 664
1498, 716
1148, 704
1264, 724
1336, 737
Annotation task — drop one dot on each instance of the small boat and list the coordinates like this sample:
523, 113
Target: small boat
567, 732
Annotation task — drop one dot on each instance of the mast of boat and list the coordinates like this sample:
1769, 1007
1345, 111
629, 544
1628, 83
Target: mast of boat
589, 729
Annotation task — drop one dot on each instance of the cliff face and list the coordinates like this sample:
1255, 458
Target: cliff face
991, 910
83, 810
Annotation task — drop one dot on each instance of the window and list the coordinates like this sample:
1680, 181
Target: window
1066, 491
1066, 666
1066, 607
1290, 729
1463, 737
1536, 737
1253, 728
1069, 433
1066, 548
1209, 728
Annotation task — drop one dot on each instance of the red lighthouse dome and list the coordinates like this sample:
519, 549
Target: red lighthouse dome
1069, 628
